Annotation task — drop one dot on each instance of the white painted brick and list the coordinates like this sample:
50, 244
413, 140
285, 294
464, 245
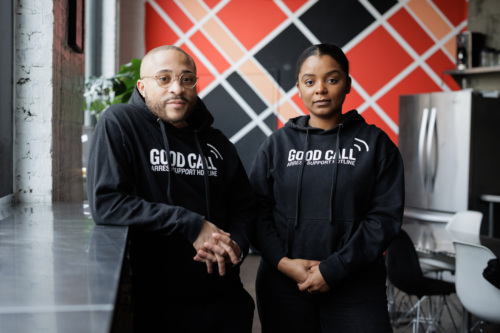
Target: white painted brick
33, 100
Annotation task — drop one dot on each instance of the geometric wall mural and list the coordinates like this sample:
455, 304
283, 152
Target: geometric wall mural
246, 52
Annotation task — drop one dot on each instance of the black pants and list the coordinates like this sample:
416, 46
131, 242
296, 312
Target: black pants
228, 313
283, 308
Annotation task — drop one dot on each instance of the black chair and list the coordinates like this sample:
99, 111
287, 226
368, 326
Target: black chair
405, 274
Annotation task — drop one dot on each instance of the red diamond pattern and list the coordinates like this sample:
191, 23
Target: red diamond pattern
402, 52
251, 21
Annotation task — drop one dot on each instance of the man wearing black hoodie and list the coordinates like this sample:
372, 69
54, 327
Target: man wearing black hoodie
157, 166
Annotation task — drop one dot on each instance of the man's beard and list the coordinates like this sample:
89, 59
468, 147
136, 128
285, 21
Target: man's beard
159, 109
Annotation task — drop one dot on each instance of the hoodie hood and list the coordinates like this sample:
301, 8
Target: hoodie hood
300, 123
199, 121
336, 196
164, 182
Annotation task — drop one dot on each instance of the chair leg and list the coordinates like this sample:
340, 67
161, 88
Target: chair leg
424, 315
465, 320
427, 314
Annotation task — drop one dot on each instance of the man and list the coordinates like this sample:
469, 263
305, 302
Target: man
157, 166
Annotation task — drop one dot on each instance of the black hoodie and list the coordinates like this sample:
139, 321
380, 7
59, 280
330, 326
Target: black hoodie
131, 183
336, 196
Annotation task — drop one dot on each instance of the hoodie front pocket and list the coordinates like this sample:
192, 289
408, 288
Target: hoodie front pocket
317, 239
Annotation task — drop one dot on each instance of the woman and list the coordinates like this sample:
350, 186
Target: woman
330, 197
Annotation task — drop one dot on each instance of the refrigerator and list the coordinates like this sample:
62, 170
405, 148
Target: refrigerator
449, 142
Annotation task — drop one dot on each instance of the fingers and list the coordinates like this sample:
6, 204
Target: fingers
214, 245
219, 253
221, 261
309, 286
206, 234
233, 257
232, 249
304, 286
314, 283
210, 268
222, 236
223, 250
210, 259
203, 256
312, 263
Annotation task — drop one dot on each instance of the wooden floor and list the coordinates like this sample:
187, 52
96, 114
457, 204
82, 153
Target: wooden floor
249, 270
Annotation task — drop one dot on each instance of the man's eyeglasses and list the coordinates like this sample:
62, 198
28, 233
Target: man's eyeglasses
164, 80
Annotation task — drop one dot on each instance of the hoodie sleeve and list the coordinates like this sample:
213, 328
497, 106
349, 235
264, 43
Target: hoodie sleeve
380, 224
241, 204
265, 237
112, 190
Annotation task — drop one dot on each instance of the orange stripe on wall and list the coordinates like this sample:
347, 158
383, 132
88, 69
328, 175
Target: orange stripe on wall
176, 14
210, 52
223, 40
267, 88
434, 22
287, 111
194, 8
451, 47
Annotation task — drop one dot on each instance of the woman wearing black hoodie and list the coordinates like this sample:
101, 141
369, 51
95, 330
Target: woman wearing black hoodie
330, 195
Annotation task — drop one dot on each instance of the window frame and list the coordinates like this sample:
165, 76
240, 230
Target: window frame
7, 104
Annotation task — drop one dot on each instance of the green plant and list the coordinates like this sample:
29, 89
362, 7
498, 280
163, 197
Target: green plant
102, 92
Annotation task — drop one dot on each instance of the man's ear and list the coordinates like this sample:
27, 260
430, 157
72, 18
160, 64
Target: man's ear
140, 87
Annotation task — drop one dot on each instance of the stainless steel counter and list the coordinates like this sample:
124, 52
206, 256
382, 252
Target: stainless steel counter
59, 272
433, 238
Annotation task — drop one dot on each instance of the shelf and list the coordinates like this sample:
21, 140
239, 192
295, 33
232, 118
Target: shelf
476, 77
474, 70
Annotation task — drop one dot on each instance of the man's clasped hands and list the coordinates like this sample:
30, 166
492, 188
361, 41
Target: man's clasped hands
215, 246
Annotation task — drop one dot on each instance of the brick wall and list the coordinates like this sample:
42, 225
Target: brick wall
48, 102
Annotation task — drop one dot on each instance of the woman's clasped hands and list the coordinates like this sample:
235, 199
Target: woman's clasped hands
306, 273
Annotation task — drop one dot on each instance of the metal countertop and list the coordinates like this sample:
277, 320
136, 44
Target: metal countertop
59, 272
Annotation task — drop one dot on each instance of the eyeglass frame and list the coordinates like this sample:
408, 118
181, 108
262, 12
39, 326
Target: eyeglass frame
174, 76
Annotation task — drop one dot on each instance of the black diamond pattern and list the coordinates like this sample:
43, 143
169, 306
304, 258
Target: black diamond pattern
246, 93
229, 116
247, 147
338, 21
279, 57
383, 5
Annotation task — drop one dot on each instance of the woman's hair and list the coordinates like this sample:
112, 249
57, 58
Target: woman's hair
323, 49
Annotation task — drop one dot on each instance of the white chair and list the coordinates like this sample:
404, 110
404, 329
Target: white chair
465, 222
468, 221
478, 296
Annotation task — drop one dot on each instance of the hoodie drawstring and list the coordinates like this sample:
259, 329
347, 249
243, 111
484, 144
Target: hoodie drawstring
167, 150
299, 182
335, 172
291, 228
204, 162
205, 175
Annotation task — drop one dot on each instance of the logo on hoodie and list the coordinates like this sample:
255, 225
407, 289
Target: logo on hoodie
318, 157
191, 164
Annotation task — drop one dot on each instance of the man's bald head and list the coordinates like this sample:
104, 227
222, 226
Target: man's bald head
172, 102
146, 61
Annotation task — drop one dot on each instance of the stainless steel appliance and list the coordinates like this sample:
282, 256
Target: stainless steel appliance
450, 147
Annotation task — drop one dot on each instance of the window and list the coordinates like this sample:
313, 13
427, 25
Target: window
6, 106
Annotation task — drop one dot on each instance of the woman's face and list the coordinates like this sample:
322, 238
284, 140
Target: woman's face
323, 86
